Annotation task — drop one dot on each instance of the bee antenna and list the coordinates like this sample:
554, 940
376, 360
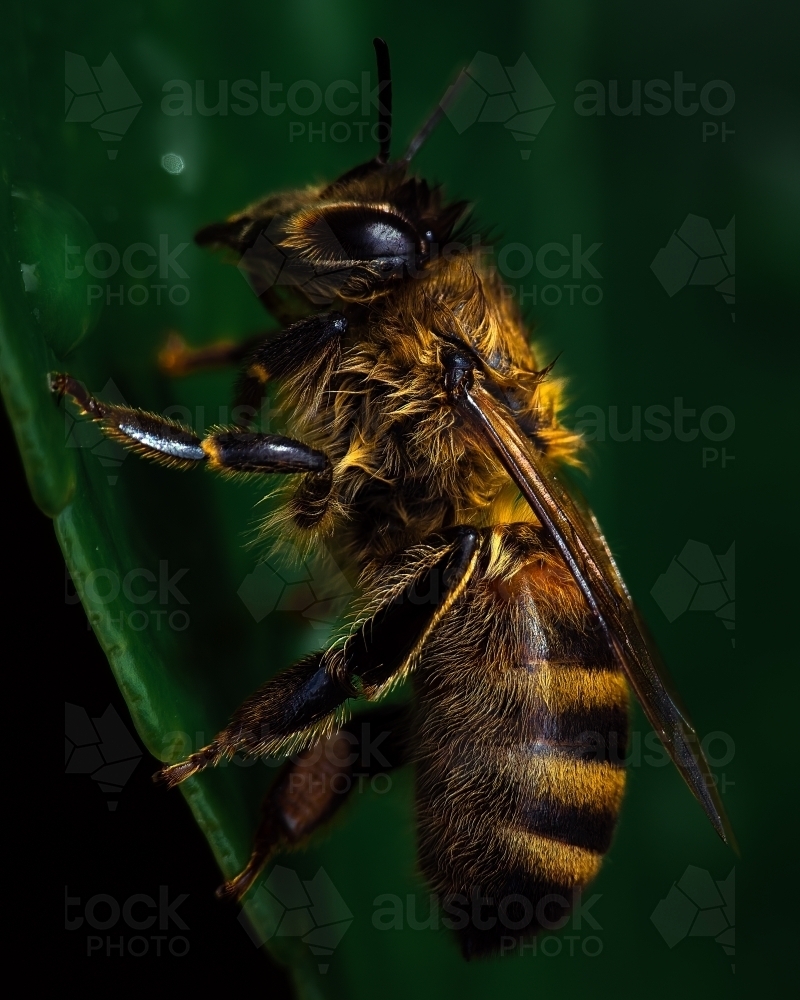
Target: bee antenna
451, 95
385, 99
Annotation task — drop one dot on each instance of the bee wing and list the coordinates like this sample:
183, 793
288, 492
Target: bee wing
613, 570
586, 553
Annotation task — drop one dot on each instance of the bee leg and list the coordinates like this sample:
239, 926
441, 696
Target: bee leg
313, 346
232, 451
274, 353
389, 641
244, 451
305, 703
176, 358
291, 711
316, 783
156, 437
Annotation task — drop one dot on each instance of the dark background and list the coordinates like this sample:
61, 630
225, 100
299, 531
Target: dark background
150, 839
625, 181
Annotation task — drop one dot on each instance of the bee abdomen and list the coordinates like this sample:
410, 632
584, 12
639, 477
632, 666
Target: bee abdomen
523, 815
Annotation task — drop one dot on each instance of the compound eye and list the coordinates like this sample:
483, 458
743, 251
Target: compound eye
358, 233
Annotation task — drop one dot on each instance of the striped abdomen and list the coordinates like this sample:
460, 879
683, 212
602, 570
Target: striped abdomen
521, 727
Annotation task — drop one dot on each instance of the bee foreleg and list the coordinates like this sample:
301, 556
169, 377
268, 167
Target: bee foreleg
316, 783
239, 450
232, 450
311, 346
176, 358
166, 441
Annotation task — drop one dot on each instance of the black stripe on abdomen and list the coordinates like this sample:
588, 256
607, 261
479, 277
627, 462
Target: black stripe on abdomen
589, 827
597, 733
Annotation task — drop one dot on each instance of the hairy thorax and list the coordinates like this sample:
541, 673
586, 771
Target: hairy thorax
404, 464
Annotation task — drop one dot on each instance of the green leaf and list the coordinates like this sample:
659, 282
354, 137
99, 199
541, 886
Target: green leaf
37, 314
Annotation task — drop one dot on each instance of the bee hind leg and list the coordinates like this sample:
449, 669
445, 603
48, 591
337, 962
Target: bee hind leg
315, 784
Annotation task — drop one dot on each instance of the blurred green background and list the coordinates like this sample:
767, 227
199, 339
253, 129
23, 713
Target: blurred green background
625, 181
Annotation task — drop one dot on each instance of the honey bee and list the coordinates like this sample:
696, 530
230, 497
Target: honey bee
425, 447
